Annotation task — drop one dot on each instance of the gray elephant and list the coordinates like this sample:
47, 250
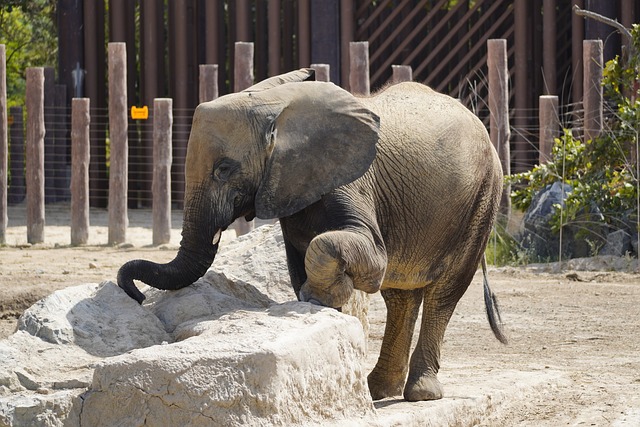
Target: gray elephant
394, 193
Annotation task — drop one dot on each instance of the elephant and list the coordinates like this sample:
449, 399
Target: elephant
395, 192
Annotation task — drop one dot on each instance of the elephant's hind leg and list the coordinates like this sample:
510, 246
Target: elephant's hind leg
440, 300
388, 377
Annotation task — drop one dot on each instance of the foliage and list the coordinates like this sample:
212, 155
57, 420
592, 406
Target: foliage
602, 172
27, 29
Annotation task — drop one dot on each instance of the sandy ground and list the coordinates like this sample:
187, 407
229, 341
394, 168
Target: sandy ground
576, 333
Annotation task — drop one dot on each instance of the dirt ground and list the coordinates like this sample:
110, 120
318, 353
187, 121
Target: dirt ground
584, 326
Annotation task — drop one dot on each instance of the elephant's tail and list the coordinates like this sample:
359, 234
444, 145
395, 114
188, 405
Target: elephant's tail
491, 305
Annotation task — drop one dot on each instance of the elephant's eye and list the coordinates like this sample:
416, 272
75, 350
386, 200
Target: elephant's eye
223, 169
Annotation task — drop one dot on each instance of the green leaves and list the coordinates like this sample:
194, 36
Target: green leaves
601, 172
27, 29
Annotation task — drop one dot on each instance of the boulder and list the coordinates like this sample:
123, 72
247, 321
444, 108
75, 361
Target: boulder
542, 244
219, 352
618, 244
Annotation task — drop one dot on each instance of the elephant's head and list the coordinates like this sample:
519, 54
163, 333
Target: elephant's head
269, 152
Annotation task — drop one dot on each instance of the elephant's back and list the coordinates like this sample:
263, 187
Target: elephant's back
436, 171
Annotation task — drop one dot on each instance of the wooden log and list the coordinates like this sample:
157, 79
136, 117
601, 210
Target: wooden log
359, 68
499, 112
35, 154
161, 187
80, 158
4, 146
401, 73
243, 66
118, 127
323, 72
592, 86
549, 125
17, 190
208, 84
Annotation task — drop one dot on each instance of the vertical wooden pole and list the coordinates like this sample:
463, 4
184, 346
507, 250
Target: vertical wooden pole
401, 73
243, 66
35, 154
549, 125
243, 78
359, 68
4, 146
162, 124
499, 111
323, 73
208, 88
17, 190
592, 84
80, 158
118, 127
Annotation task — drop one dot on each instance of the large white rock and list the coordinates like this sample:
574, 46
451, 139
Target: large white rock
219, 352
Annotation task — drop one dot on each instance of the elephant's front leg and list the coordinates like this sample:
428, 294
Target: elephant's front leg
337, 262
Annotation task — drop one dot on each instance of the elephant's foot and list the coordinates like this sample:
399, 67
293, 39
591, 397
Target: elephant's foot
381, 385
426, 387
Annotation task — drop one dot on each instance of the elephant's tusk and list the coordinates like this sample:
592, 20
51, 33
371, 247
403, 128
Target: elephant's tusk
216, 237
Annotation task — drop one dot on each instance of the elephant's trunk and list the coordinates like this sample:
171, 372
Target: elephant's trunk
188, 266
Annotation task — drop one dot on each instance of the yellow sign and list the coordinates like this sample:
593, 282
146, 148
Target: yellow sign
139, 113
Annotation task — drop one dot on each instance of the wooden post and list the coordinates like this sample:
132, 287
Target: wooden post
243, 66
208, 87
499, 111
35, 154
4, 146
80, 157
161, 187
118, 127
243, 78
401, 73
17, 190
359, 68
549, 125
592, 85
323, 73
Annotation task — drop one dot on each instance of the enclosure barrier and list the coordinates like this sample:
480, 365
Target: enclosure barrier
166, 155
499, 129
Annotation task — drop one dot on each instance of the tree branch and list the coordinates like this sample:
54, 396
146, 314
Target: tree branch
611, 22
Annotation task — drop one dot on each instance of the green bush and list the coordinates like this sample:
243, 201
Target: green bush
603, 172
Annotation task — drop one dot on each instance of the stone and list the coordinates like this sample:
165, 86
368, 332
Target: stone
542, 244
618, 244
234, 348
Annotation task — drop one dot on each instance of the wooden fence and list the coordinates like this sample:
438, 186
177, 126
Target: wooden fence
163, 121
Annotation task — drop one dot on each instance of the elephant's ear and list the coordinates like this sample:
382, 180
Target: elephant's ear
322, 139
301, 75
